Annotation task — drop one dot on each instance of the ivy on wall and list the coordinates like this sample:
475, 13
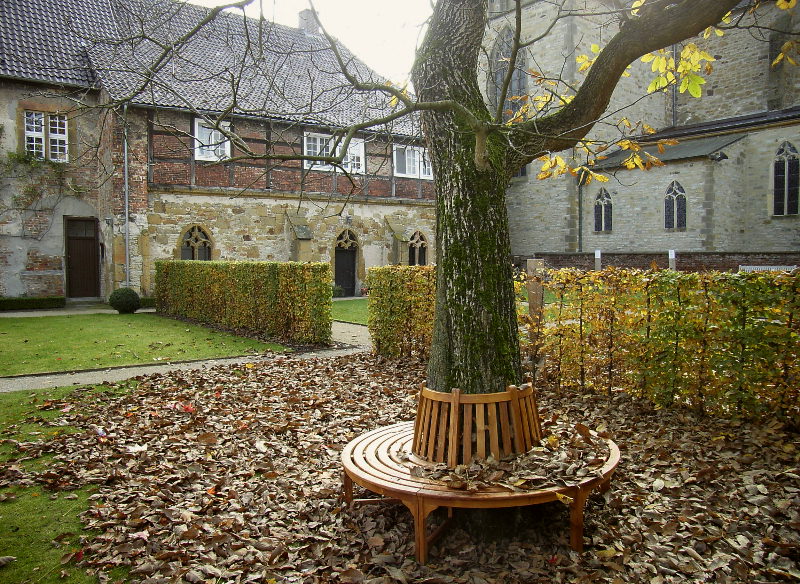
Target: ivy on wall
290, 301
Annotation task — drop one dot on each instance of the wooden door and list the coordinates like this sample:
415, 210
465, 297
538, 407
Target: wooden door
346, 270
82, 258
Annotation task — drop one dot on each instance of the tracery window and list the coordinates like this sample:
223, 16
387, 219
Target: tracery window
675, 207
196, 245
346, 240
501, 53
786, 180
603, 211
417, 250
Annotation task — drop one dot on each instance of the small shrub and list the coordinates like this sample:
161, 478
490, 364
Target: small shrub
338, 291
125, 301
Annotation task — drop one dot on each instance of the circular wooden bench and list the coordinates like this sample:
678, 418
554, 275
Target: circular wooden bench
381, 461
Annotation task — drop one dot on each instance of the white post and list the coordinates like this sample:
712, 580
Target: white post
598, 260
672, 259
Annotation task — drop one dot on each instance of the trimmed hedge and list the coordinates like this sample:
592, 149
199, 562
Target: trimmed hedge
148, 301
401, 302
718, 343
25, 303
287, 301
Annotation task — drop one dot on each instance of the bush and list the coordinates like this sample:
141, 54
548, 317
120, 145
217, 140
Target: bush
290, 301
125, 301
338, 291
401, 303
25, 303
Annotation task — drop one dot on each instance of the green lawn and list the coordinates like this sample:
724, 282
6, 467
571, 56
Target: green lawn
40, 528
354, 311
92, 341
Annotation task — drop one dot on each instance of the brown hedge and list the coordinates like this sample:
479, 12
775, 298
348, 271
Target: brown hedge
287, 301
401, 301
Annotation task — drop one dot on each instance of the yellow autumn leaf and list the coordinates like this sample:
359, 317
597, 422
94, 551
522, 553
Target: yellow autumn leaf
564, 499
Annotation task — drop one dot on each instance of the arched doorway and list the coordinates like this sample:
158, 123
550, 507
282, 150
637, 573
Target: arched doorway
345, 255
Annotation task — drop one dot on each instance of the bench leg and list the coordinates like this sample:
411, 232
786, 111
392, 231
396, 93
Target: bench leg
576, 519
347, 490
420, 511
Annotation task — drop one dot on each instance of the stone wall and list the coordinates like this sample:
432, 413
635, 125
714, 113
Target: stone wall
35, 197
261, 227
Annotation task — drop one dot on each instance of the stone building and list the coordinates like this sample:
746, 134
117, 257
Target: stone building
728, 187
109, 163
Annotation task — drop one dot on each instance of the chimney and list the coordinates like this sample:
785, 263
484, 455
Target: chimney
307, 22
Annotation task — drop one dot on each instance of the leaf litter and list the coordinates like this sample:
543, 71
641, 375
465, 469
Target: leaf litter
232, 474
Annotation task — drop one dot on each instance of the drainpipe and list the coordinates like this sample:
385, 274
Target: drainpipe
126, 190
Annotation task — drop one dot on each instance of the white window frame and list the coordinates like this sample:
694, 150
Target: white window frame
210, 143
417, 163
46, 135
316, 144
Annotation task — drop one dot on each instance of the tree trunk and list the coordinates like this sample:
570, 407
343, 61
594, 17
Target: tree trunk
475, 341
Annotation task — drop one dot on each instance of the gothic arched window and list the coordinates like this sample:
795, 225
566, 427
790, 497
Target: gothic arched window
675, 207
786, 180
500, 61
196, 245
417, 250
603, 211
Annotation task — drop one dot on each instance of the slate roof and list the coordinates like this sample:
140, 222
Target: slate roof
244, 66
683, 150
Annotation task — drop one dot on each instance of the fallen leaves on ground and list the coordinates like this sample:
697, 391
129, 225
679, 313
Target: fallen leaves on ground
233, 475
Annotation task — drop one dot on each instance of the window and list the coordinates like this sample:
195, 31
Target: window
603, 211
501, 53
417, 250
322, 144
675, 207
210, 142
786, 177
412, 161
46, 136
196, 245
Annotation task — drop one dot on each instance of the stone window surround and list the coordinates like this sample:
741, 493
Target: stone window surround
603, 200
785, 153
196, 236
418, 249
48, 111
419, 160
318, 144
676, 192
498, 68
211, 144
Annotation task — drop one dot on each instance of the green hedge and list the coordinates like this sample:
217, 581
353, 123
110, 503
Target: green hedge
401, 301
288, 301
718, 343
148, 301
25, 303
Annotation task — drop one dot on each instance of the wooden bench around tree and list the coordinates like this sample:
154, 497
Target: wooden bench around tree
381, 461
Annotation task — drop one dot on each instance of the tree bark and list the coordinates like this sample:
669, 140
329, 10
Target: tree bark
475, 342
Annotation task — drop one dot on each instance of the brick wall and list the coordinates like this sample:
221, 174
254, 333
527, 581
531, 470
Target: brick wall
684, 261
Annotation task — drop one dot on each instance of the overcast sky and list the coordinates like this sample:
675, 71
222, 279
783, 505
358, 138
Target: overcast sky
383, 33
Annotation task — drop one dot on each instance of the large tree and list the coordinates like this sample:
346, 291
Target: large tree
475, 153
